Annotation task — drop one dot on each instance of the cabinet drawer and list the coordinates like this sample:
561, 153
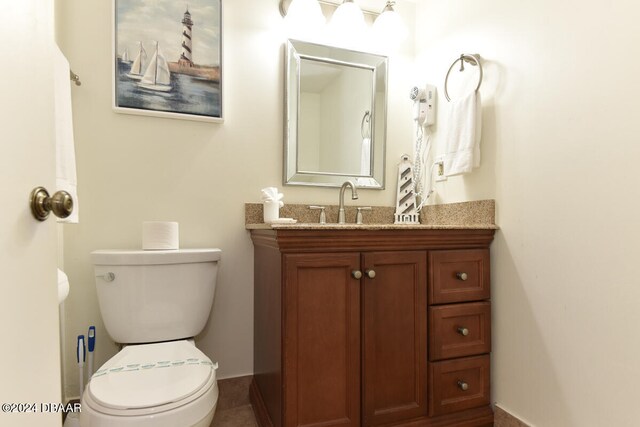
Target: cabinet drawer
455, 385
457, 330
457, 276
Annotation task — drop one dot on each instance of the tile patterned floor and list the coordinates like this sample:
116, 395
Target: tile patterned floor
234, 408
240, 416
504, 419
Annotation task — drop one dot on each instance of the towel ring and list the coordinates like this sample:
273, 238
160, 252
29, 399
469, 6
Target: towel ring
469, 59
366, 119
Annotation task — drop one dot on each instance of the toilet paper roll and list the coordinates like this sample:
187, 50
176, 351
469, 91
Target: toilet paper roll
63, 286
157, 235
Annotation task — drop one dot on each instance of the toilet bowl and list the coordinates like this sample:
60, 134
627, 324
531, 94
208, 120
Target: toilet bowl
167, 384
159, 296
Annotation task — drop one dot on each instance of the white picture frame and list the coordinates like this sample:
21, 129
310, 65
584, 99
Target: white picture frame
168, 59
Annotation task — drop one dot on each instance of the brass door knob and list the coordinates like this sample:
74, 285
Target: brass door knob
370, 274
462, 276
61, 204
463, 385
463, 331
356, 274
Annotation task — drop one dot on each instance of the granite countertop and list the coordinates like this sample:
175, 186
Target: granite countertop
477, 215
315, 226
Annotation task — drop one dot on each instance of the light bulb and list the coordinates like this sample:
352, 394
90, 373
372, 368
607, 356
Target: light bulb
388, 28
304, 19
347, 24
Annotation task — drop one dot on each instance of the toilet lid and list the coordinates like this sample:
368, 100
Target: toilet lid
149, 375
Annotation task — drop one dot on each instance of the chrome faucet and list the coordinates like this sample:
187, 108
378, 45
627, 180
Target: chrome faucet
354, 196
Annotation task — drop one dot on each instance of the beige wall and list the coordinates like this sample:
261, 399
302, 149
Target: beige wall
560, 152
133, 168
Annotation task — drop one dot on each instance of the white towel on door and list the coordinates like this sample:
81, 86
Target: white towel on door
65, 150
463, 135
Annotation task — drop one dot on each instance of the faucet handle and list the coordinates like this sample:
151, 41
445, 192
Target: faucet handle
323, 217
359, 214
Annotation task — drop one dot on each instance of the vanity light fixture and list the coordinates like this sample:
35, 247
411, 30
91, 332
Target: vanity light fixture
347, 23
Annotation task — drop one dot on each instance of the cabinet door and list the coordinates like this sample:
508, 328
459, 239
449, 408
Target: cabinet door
395, 336
321, 340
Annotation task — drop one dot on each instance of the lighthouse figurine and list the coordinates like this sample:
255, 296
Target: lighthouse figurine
406, 206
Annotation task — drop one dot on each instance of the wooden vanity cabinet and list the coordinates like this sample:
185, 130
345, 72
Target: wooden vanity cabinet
355, 338
342, 334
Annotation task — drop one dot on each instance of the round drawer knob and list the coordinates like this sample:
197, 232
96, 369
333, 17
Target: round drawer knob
370, 274
463, 331
462, 276
356, 274
463, 385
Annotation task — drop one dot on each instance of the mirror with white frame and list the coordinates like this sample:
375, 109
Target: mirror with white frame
335, 116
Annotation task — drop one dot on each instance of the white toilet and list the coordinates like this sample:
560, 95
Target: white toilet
154, 303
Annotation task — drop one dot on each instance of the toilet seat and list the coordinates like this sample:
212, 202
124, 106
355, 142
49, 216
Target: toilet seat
153, 380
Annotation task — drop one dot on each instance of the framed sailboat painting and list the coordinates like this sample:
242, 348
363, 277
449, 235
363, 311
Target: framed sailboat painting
168, 58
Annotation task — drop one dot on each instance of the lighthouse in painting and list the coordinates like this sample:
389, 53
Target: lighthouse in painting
185, 64
186, 57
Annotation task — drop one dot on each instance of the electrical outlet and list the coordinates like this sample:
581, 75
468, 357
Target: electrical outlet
439, 167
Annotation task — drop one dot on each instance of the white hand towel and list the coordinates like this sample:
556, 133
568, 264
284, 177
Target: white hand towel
65, 150
463, 135
365, 160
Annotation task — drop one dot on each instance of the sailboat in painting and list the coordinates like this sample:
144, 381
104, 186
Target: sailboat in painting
125, 55
138, 66
157, 77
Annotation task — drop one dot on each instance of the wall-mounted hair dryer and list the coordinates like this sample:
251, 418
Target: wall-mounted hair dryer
424, 104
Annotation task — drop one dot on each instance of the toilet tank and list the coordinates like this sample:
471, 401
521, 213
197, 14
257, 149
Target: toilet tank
152, 296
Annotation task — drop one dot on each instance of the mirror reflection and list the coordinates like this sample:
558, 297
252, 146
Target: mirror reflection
335, 116
329, 121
